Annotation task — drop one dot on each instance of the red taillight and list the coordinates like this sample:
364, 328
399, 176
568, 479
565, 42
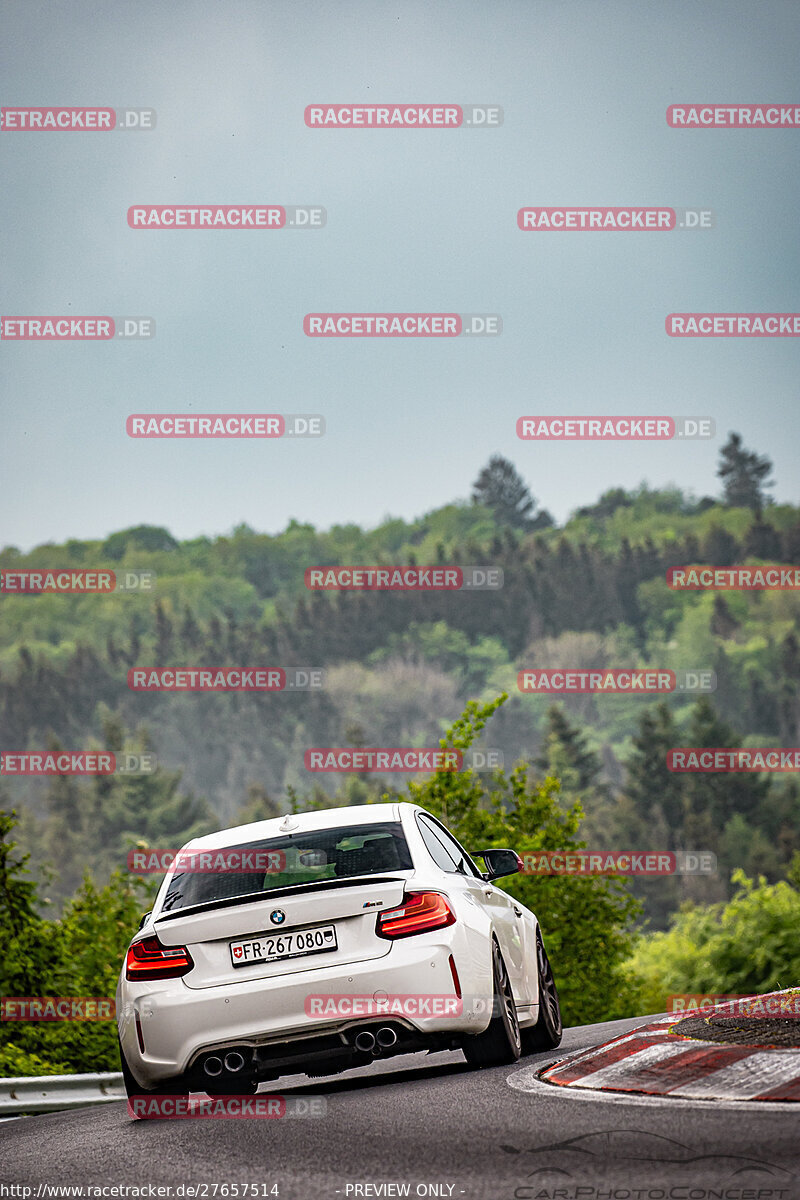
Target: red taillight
419, 912
148, 959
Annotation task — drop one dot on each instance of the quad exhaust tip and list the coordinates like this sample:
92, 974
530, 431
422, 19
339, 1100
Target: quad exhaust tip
213, 1066
372, 1043
234, 1061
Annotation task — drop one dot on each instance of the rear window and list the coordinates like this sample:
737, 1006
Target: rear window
329, 854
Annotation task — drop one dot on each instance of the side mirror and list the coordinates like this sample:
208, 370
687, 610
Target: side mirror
144, 918
500, 862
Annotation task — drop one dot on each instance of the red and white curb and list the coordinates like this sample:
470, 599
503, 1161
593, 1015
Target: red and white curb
657, 1062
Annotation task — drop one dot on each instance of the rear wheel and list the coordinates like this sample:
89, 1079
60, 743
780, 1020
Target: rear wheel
546, 1033
500, 1044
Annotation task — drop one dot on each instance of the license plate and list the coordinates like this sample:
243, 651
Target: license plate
271, 947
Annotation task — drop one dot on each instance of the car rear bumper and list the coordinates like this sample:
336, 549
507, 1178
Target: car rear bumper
178, 1024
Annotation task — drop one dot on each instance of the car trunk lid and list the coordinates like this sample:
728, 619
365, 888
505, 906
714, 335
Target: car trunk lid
348, 907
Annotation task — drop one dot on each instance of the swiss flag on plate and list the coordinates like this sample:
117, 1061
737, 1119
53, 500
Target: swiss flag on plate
237, 951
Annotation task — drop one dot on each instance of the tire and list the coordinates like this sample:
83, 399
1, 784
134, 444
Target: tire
547, 1032
499, 1045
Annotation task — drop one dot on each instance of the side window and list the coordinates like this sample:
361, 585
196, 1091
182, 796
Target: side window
435, 847
456, 849
432, 832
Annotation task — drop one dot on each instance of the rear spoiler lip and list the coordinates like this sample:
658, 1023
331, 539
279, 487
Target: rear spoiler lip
279, 893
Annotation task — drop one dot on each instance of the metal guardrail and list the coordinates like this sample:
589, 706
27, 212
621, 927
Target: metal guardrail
51, 1093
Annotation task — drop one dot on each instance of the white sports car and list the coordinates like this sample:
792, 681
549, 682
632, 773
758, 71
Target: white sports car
363, 932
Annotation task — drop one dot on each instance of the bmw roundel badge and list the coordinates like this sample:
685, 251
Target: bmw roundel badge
278, 916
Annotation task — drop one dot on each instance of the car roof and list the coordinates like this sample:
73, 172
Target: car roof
305, 822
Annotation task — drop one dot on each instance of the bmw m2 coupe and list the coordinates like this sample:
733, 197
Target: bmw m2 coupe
335, 937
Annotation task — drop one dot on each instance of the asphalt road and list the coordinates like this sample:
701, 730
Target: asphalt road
432, 1125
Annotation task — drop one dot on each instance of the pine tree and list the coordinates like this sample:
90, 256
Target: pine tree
720, 548
789, 690
744, 475
650, 785
565, 753
718, 796
723, 623
18, 892
762, 541
501, 488
651, 813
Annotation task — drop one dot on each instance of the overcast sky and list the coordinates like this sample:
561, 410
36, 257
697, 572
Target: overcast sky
417, 221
